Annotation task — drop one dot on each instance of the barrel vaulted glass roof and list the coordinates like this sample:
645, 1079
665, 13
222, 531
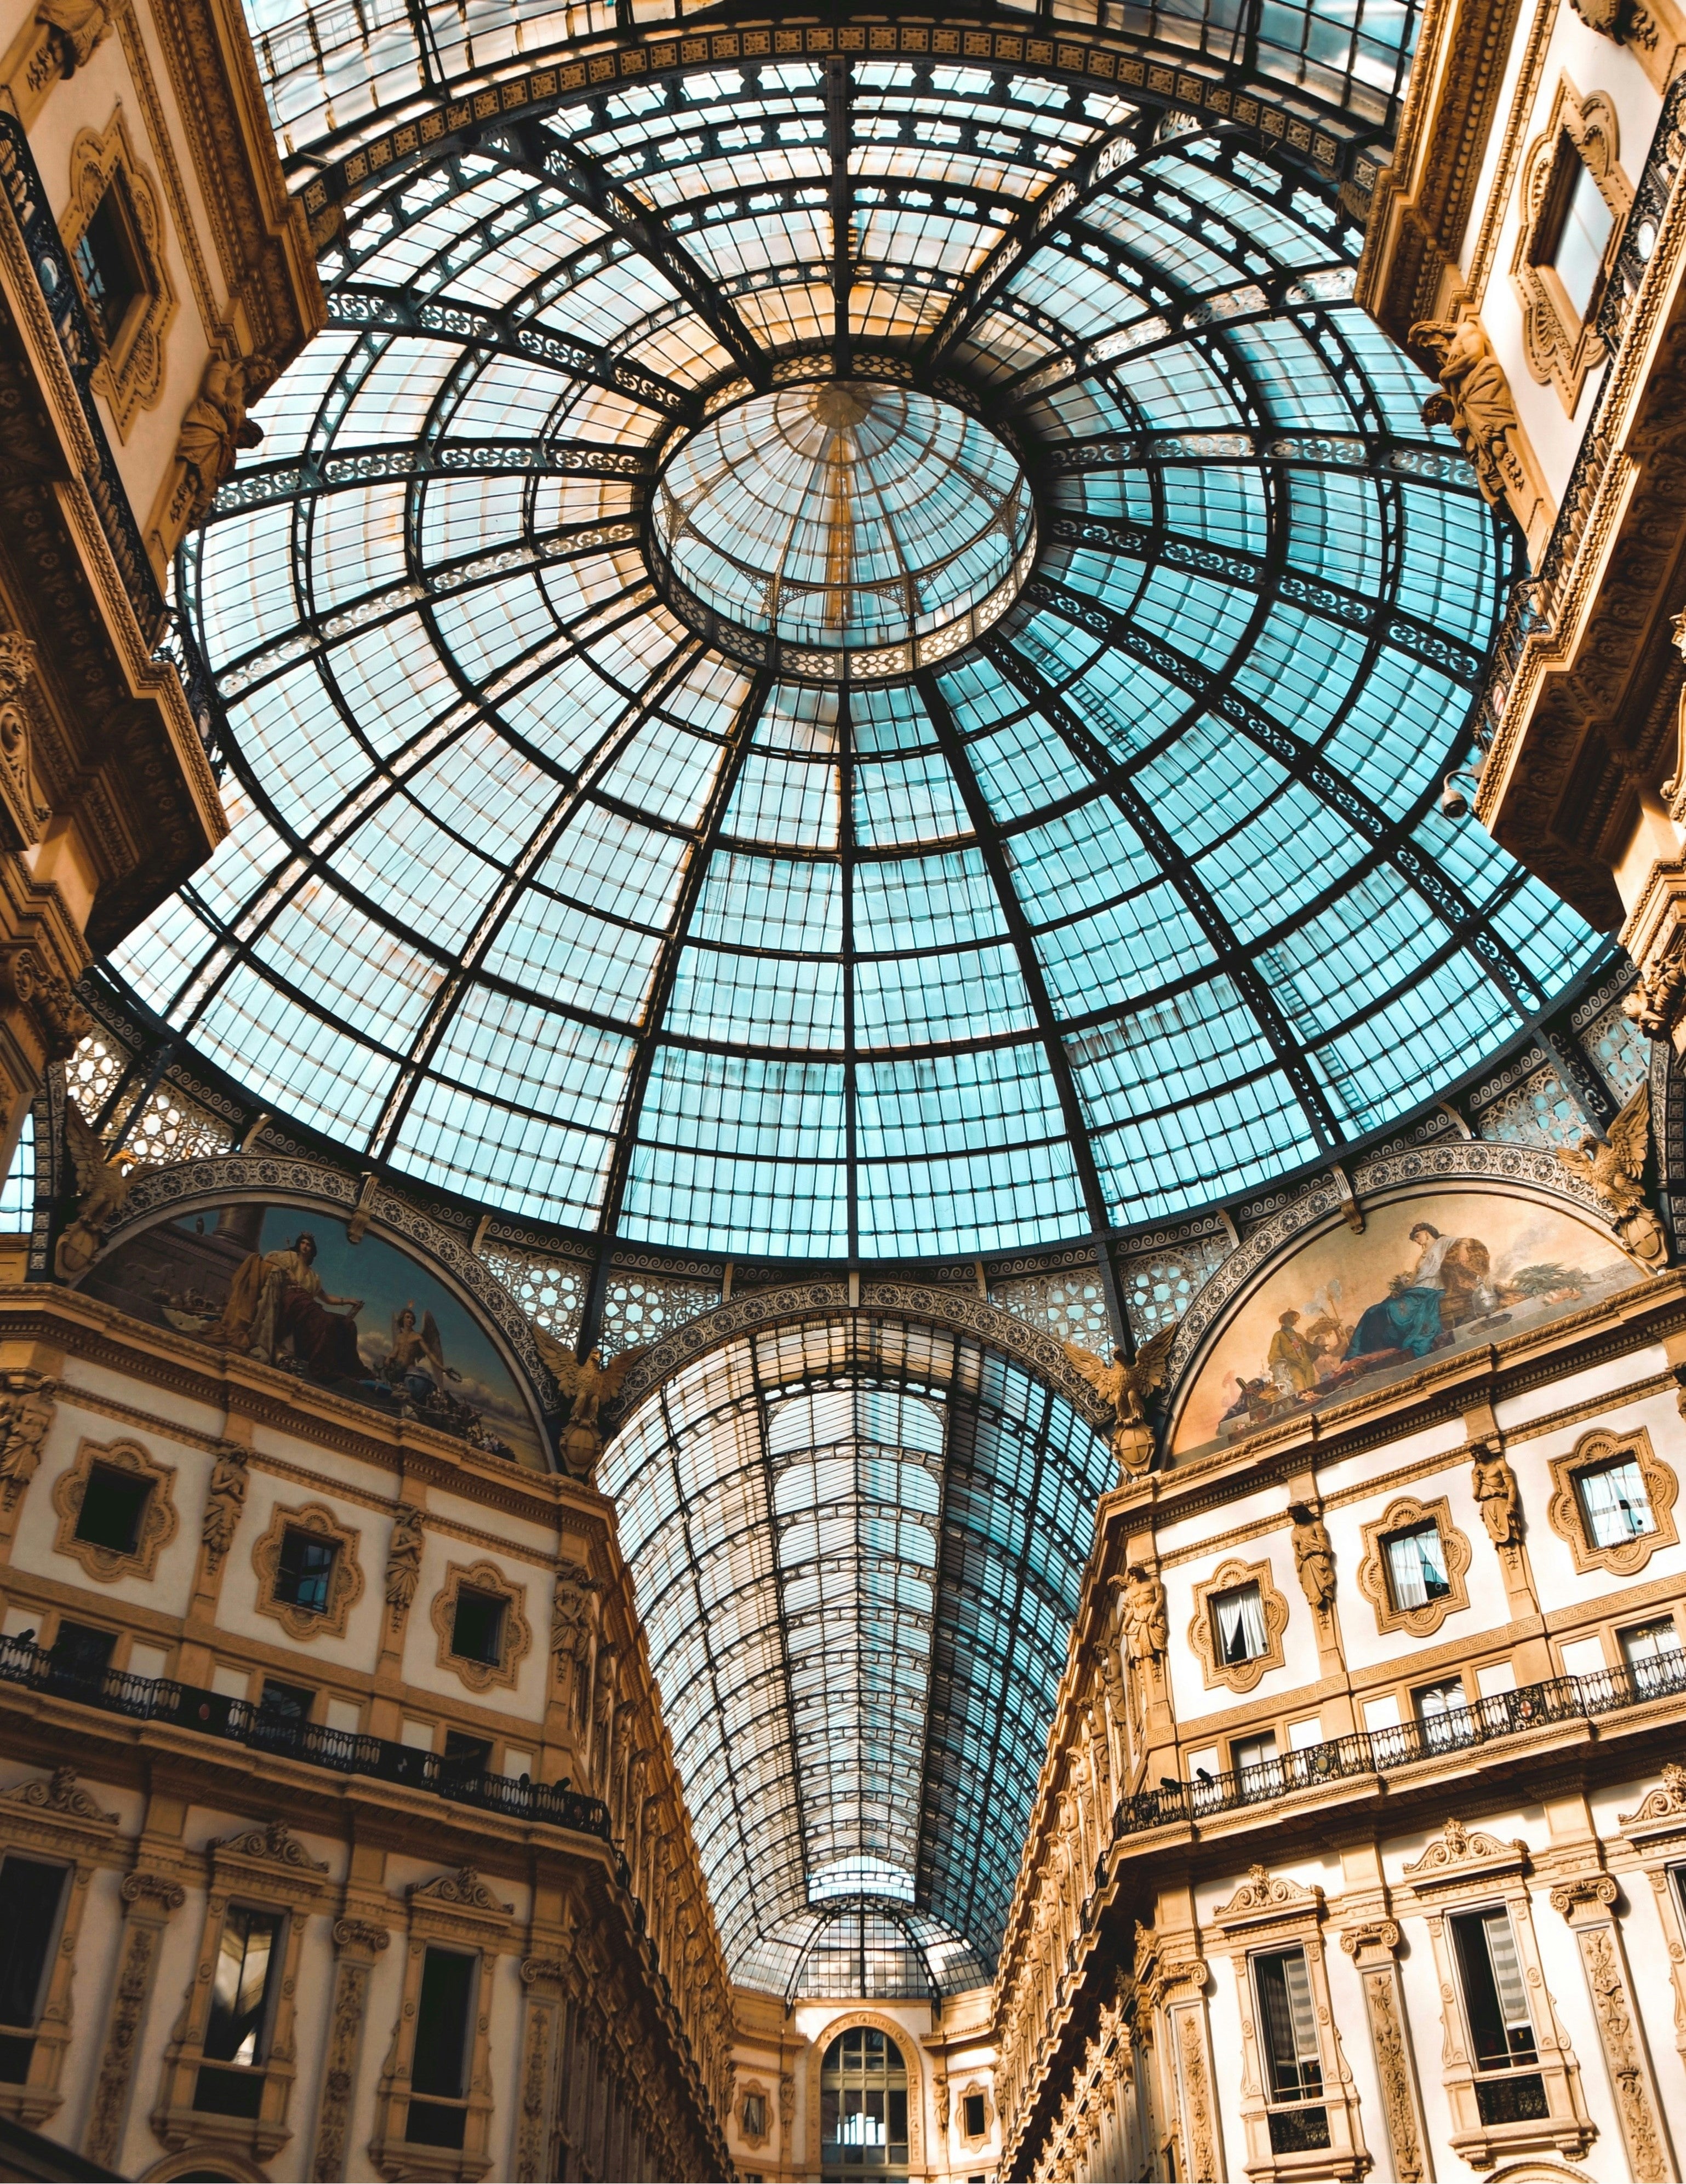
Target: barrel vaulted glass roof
540, 891
857, 1550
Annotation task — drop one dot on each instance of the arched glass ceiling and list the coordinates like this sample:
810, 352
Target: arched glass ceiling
1142, 899
857, 1550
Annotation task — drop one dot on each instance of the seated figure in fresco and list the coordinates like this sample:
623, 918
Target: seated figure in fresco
278, 1295
1451, 1283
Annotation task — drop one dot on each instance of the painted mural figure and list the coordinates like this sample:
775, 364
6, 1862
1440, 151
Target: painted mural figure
1449, 1283
276, 1294
417, 1360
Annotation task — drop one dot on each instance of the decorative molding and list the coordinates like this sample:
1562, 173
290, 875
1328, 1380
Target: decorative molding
273, 1844
1663, 1809
159, 1522
1560, 348
1263, 1895
130, 372
515, 1632
1230, 1577
1406, 1513
459, 1890
345, 1579
1458, 1853
1567, 1519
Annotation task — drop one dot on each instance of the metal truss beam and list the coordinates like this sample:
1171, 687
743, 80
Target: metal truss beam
1044, 217
840, 201
396, 310
1417, 462
1305, 764
304, 476
542, 150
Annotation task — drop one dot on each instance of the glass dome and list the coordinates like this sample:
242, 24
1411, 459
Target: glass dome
868, 526
544, 894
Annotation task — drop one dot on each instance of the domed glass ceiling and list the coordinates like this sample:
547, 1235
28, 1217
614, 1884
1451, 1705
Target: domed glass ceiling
1135, 897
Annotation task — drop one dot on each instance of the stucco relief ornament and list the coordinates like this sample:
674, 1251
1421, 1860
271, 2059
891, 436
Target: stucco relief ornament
1475, 400
1616, 1170
25, 1414
224, 1499
592, 1386
1493, 1484
1128, 1386
1314, 1559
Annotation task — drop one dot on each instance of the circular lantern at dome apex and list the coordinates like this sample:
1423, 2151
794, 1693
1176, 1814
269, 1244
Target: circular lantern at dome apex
845, 530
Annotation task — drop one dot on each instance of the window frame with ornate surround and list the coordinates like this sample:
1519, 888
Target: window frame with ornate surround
1267, 1916
515, 1634
159, 1522
752, 2088
345, 1581
1656, 1834
269, 1869
1466, 1869
56, 1821
912, 2061
1561, 347
974, 2088
1567, 1519
1234, 1576
130, 369
1405, 1513
458, 1912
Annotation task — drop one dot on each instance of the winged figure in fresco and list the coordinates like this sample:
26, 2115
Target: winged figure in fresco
1128, 1386
591, 1384
1615, 1170
102, 1192
417, 1360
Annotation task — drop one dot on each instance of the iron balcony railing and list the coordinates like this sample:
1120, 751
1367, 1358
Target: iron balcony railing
1381, 1751
346, 1752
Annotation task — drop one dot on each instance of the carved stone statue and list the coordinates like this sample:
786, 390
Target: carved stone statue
1144, 1624
25, 1413
403, 1559
102, 1190
1314, 1558
1128, 1386
573, 1626
224, 1501
79, 28
1475, 400
593, 1386
1494, 1486
214, 430
1616, 1170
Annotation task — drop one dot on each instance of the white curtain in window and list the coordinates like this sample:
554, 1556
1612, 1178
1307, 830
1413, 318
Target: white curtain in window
1507, 1971
1415, 1567
1617, 1507
1241, 1624
1300, 2006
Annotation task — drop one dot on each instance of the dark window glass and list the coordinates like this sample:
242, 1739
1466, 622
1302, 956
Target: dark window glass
29, 1895
441, 2055
304, 1571
973, 2107
1289, 2025
465, 1755
82, 1652
288, 1704
477, 1627
248, 1957
1495, 1999
110, 261
113, 1502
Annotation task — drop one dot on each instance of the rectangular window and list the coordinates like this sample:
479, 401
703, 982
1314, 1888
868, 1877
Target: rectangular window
1444, 1712
1654, 1656
438, 2069
1614, 1507
110, 261
1576, 228
113, 1502
1288, 2025
973, 2115
31, 1894
1238, 1621
82, 1653
284, 1706
466, 1756
1495, 1999
304, 1571
1416, 1566
477, 1626
247, 1957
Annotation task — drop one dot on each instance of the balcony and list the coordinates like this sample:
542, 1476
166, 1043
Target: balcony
344, 1751
1535, 1707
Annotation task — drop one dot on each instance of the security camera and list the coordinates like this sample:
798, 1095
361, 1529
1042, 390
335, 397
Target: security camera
1453, 804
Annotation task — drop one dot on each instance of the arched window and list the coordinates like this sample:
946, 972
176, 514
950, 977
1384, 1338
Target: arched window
863, 2106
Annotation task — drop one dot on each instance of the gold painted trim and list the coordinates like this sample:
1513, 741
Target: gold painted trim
1407, 1514
159, 1521
1237, 1675
1565, 1515
515, 1635
345, 1581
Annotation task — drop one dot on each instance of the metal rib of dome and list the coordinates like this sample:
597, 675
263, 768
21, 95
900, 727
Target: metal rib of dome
1138, 898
